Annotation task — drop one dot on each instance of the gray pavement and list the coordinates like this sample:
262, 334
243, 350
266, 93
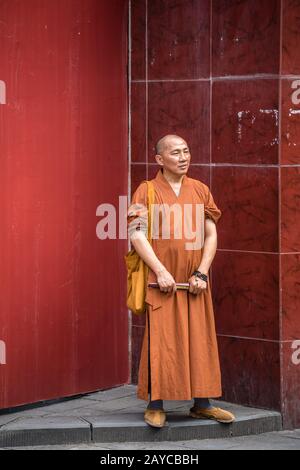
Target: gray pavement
113, 419
281, 440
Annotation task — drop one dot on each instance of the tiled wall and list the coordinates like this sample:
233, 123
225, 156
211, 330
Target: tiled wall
290, 211
223, 75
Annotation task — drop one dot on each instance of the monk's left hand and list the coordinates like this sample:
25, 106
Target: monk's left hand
197, 285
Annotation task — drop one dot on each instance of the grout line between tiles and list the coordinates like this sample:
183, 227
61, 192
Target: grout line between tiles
147, 92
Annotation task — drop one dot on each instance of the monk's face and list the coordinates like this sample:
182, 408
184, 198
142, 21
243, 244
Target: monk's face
175, 156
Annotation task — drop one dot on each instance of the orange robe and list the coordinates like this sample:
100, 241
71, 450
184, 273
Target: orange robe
179, 358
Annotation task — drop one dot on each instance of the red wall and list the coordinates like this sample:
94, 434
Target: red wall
224, 75
63, 151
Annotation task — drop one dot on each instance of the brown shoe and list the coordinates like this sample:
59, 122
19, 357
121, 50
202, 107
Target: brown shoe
155, 418
217, 414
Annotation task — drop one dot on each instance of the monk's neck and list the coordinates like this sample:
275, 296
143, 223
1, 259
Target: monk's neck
171, 177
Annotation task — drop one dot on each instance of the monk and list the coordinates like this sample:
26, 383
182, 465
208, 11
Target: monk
179, 358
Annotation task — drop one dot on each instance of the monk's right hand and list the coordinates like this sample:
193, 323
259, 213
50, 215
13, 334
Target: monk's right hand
166, 281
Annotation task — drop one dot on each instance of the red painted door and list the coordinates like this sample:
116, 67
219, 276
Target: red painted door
63, 151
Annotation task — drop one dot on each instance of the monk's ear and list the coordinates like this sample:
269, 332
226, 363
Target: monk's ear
159, 159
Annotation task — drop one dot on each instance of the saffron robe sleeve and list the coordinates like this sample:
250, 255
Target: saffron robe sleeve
210, 208
137, 210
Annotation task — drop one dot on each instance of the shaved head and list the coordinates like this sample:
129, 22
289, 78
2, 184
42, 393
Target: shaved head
173, 155
164, 142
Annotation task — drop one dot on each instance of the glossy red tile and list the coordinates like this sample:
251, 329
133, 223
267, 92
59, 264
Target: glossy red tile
180, 108
245, 121
246, 294
201, 173
290, 278
178, 39
248, 199
245, 36
152, 170
291, 384
138, 39
290, 121
290, 37
138, 122
290, 209
250, 372
136, 347
138, 174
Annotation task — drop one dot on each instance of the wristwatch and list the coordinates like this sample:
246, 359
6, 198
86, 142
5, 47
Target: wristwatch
200, 275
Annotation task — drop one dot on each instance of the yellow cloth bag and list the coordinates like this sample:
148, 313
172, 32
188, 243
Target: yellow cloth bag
137, 270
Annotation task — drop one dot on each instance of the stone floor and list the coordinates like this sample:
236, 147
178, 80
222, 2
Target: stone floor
280, 440
114, 419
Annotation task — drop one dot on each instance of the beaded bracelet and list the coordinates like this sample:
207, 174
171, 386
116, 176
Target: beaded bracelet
200, 275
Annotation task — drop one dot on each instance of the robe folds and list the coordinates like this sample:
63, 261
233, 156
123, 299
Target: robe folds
179, 357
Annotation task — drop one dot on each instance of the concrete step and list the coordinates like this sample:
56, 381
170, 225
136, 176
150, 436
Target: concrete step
117, 416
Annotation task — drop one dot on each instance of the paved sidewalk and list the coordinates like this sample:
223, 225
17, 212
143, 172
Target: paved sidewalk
116, 415
281, 440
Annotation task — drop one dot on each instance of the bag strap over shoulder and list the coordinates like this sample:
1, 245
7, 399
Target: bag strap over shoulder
150, 202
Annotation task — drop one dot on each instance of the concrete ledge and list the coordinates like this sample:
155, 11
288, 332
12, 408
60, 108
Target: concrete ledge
179, 428
118, 416
128, 428
45, 431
